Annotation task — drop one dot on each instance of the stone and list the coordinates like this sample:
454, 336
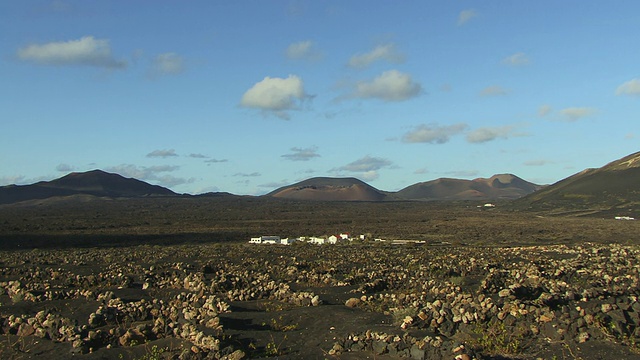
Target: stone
379, 347
131, 337
417, 353
583, 337
25, 330
352, 302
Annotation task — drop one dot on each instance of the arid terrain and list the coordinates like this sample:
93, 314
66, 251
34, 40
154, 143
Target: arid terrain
151, 278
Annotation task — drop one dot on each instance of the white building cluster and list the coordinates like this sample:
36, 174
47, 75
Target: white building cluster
333, 239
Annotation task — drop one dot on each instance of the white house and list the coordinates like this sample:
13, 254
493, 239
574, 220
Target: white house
344, 236
265, 240
316, 240
255, 240
287, 241
332, 239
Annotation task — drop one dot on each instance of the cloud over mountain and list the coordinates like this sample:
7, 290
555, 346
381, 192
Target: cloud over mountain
433, 134
387, 52
301, 154
162, 153
465, 16
167, 64
86, 51
486, 134
517, 59
391, 85
366, 167
303, 50
631, 87
276, 96
577, 113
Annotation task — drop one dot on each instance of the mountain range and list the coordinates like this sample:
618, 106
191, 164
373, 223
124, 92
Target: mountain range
615, 185
94, 183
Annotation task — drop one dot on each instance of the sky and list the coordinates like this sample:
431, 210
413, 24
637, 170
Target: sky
247, 96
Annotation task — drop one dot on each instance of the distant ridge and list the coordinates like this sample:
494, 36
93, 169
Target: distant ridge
613, 186
501, 186
96, 183
329, 189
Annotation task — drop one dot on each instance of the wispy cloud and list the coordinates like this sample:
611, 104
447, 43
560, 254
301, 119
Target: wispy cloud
631, 88
64, 167
10, 180
86, 51
276, 96
198, 156
421, 171
465, 16
162, 153
433, 134
494, 90
537, 162
302, 154
577, 113
486, 134
303, 50
150, 173
544, 110
389, 86
365, 168
517, 59
387, 52
253, 174
167, 64
215, 161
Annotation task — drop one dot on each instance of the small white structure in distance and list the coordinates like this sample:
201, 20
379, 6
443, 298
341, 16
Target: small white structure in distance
265, 240
624, 218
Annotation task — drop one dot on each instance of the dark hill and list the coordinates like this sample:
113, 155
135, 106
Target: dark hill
329, 189
613, 186
503, 186
95, 183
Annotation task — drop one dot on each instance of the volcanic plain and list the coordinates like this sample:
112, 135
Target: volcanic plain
175, 278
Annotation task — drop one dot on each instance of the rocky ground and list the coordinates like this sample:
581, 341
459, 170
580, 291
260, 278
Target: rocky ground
352, 301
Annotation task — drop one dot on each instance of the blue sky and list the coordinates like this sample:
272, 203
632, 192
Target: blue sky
247, 96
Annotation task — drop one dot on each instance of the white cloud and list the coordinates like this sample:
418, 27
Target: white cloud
305, 50
386, 52
516, 59
631, 87
433, 134
494, 90
300, 154
465, 16
391, 85
85, 51
577, 113
486, 134
544, 110
162, 153
275, 96
167, 64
